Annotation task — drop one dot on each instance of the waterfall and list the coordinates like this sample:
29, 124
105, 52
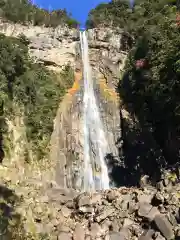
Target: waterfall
95, 143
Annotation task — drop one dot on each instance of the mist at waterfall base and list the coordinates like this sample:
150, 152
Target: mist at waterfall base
95, 143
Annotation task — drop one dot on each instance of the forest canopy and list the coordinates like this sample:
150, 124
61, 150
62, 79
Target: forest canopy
150, 86
25, 12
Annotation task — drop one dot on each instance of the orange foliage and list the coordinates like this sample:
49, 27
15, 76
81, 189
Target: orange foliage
111, 93
76, 86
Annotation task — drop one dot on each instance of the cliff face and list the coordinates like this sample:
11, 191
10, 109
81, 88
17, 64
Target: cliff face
106, 59
54, 47
68, 136
107, 53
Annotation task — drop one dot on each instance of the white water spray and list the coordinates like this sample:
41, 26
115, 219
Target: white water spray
95, 144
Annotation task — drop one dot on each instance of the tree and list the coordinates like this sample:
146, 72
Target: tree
33, 89
23, 11
153, 88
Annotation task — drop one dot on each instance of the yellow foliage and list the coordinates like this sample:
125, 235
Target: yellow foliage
108, 92
172, 177
178, 194
76, 84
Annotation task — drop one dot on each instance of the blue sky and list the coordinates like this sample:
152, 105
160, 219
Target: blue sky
78, 8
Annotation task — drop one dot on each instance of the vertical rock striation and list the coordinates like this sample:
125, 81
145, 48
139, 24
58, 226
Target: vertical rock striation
68, 138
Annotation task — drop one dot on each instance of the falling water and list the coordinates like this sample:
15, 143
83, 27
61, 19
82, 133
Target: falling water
95, 144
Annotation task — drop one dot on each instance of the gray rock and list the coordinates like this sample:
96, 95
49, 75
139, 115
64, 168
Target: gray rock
159, 198
84, 200
160, 186
43, 228
127, 222
164, 226
144, 209
152, 213
144, 198
132, 207
65, 211
104, 214
116, 225
134, 238
79, 233
64, 229
161, 208
96, 230
178, 233
123, 214
59, 195
88, 238
70, 204
158, 236
64, 236
125, 233
172, 219
144, 181
124, 205
106, 225
116, 236
147, 235
137, 230
127, 198
172, 199
96, 199
85, 209
111, 196
166, 182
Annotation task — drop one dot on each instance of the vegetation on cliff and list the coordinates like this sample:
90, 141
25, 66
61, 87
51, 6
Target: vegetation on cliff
23, 11
31, 88
151, 83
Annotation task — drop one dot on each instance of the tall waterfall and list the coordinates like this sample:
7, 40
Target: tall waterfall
95, 144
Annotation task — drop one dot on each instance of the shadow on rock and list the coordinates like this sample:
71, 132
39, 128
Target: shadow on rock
140, 160
10, 221
143, 153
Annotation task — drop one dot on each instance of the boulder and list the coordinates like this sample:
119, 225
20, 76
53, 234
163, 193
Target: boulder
147, 235
144, 209
64, 236
79, 233
164, 226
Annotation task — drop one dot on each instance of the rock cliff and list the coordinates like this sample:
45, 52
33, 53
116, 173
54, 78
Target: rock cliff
54, 47
106, 59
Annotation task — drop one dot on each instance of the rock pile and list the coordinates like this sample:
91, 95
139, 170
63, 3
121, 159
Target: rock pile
122, 214
49, 212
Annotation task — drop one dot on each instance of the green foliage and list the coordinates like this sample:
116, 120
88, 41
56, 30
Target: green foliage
151, 92
23, 11
108, 14
118, 13
31, 87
